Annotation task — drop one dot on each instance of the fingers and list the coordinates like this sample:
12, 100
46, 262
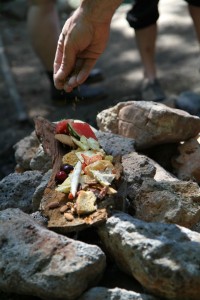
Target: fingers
80, 73
87, 66
64, 62
74, 58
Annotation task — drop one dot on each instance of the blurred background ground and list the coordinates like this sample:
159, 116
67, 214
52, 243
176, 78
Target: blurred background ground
177, 58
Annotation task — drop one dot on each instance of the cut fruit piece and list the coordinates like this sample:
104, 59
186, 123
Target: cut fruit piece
78, 129
61, 126
65, 139
65, 186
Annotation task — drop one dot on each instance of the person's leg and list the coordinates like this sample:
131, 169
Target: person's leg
195, 14
44, 28
143, 17
146, 41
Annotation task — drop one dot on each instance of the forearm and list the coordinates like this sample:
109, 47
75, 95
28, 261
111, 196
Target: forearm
100, 10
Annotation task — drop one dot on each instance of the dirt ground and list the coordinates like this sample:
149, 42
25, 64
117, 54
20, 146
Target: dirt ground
177, 60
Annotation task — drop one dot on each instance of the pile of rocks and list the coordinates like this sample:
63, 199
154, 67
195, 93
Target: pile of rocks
155, 240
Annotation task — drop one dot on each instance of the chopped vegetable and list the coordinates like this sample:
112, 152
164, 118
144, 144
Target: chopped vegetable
89, 160
100, 165
75, 178
65, 186
88, 153
80, 144
93, 144
103, 178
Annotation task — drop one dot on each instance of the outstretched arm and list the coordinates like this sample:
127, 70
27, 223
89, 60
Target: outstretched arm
81, 42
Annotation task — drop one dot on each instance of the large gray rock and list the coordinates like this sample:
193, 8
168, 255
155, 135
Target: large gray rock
17, 190
171, 202
187, 163
164, 258
115, 144
156, 195
41, 161
39, 191
149, 123
25, 149
38, 262
100, 293
138, 167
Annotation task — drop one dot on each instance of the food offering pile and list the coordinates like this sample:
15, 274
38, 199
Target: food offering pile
82, 189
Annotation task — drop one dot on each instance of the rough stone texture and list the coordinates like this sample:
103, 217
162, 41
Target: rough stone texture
17, 190
114, 144
39, 218
100, 293
164, 258
137, 168
41, 161
39, 191
35, 261
107, 119
163, 154
162, 174
149, 123
171, 202
25, 150
187, 163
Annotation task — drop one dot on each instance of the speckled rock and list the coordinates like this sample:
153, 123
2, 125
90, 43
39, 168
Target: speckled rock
187, 163
164, 258
38, 262
25, 149
168, 201
17, 190
115, 144
100, 293
39, 191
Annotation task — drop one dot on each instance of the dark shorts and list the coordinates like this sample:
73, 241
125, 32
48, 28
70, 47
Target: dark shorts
145, 12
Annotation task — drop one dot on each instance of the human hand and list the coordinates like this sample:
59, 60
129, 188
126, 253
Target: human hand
80, 44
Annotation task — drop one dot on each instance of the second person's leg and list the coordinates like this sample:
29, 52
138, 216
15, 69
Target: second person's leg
143, 17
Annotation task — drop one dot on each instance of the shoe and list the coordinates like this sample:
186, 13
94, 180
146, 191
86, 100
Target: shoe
152, 91
81, 93
94, 76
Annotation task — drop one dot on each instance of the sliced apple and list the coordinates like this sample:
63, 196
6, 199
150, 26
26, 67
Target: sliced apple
65, 139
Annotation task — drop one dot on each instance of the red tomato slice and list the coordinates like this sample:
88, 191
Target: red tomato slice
62, 128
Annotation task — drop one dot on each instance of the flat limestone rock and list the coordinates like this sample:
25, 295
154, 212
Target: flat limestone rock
148, 123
